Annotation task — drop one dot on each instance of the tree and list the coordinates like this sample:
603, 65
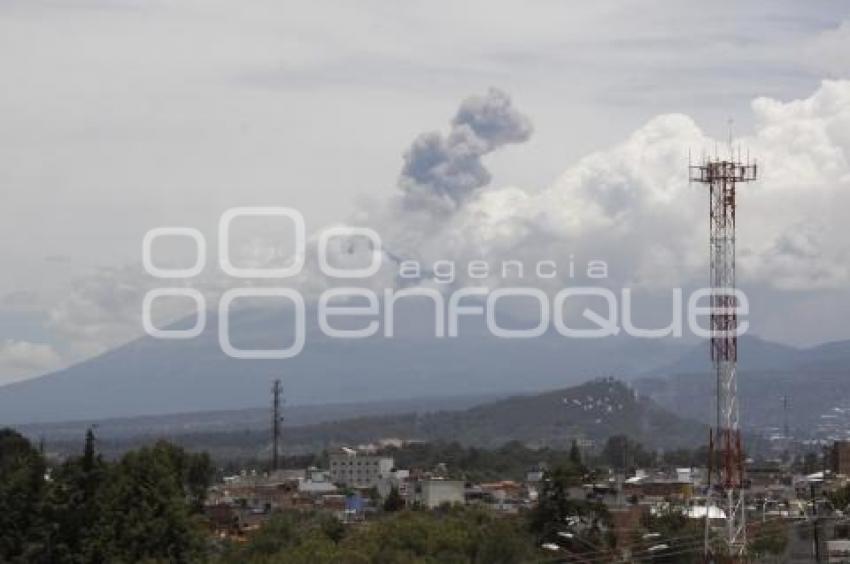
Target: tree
140, 509
197, 479
622, 453
555, 507
681, 457
74, 503
394, 501
24, 532
810, 463
769, 538
145, 514
292, 537
575, 454
674, 530
504, 542
456, 534
554, 503
840, 498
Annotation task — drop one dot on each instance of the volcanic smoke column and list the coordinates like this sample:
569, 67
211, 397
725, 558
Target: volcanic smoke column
722, 176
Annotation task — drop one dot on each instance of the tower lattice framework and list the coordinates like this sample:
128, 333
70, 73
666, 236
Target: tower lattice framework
726, 459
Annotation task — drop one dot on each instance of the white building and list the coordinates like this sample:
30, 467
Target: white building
838, 551
684, 476
356, 469
397, 479
433, 493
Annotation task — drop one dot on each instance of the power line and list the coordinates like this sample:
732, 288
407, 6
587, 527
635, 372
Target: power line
687, 547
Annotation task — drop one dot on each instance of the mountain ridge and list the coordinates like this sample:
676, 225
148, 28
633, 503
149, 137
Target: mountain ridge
594, 411
157, 377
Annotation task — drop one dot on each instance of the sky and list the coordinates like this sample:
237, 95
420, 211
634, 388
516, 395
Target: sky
121, 116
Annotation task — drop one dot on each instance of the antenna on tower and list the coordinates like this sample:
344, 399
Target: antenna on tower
729, 122
276, 420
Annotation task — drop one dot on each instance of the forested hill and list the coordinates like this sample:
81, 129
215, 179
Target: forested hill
595, 410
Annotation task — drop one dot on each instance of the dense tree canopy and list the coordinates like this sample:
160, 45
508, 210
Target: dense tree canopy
457, 534
22, 500
142, 508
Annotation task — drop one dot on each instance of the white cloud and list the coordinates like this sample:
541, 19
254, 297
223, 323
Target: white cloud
20, 360
121, 116
104, 310
629, 205
632, 206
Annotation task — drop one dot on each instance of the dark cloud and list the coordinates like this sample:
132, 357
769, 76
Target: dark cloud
443, 171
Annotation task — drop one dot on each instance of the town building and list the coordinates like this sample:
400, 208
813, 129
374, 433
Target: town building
433, 493
838, 551
841, 457
357, 469
397, 479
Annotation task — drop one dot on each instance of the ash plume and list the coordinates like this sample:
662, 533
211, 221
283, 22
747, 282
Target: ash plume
443, 171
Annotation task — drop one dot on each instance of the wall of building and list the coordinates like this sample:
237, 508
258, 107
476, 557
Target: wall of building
359, 470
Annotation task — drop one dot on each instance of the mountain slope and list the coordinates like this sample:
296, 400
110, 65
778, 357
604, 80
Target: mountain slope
594, 410
154, 377
150, 376
815, 380
754, 354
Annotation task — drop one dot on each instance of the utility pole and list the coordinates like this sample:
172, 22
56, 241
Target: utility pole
816, 521
785, 431
722, 177
276, 420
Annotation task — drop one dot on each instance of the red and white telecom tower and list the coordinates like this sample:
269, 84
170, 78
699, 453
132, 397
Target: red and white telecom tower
722, 178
